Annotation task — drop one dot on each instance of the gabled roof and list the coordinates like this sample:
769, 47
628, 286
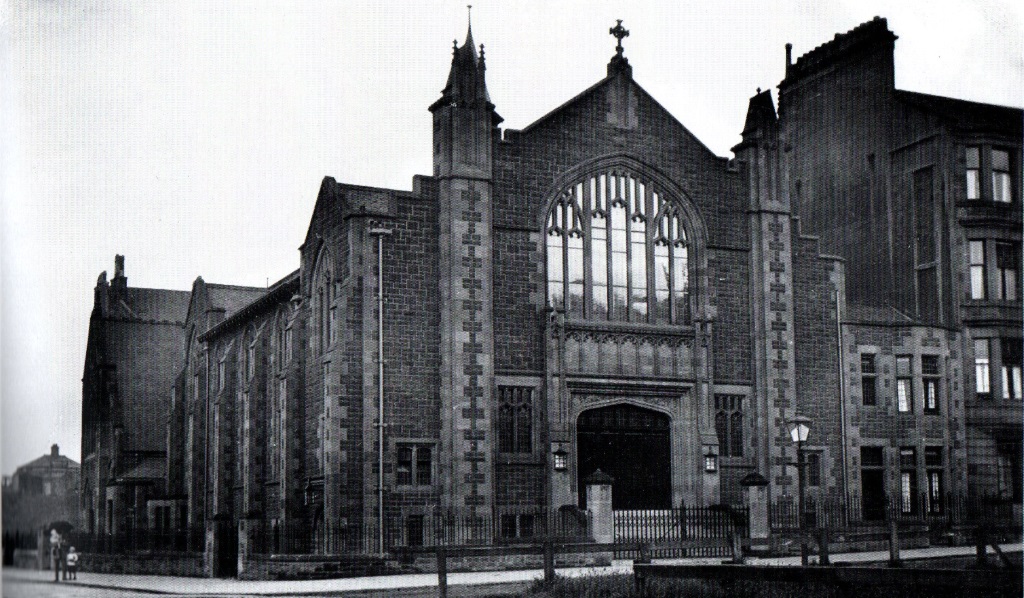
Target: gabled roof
210, 296
968, 116
612, 76
280, 291
152, 305
232, 298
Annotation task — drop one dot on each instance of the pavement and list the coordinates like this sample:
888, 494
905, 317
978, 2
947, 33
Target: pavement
193, 586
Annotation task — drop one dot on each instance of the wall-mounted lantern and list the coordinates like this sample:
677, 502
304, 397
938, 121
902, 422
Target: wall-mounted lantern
711, 462
561, 458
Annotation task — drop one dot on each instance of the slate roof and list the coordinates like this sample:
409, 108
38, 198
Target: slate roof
971, 116
869, 314
153, 305
232, 298
50, 462
281, 290
151, 468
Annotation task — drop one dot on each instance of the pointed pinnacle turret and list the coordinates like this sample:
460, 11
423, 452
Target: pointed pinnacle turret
466, 83
761, 122
469, 27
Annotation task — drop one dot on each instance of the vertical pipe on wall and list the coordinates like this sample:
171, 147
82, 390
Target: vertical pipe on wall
379, 231
842, 409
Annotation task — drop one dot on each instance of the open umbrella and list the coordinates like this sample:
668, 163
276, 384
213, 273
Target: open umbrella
62, 527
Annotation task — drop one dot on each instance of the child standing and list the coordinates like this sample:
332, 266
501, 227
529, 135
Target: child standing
72, 563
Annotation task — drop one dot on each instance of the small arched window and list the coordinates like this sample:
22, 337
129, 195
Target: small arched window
617, 250
280, 337
250, 354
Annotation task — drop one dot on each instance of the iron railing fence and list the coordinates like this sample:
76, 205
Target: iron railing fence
138, 540
681, 532
424, 528
935, 512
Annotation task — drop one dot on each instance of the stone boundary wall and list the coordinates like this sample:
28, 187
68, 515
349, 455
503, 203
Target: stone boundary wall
428, 563
280, 567
183, 564
29, 558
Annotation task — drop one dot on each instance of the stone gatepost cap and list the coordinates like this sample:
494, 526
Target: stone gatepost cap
753, 479
598, 477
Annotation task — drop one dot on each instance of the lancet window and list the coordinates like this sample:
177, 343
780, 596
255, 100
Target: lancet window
324, 303
617, 250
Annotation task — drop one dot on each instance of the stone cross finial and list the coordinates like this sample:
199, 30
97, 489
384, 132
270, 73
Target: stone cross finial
618, 32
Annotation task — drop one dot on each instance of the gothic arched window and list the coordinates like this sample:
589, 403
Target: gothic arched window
617, 250
324, 302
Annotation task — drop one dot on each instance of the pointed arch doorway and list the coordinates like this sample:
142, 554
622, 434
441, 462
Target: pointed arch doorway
631, 444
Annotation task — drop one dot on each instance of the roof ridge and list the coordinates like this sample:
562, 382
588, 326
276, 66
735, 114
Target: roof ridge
237, 287
156, 290
932, 96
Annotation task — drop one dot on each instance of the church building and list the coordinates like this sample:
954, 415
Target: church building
600, 291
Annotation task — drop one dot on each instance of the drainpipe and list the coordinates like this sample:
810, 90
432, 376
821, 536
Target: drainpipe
842, 409
380, 232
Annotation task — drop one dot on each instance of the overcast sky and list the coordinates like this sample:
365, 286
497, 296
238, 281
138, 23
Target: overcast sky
192, 136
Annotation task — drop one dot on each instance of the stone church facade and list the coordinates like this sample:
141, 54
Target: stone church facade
600, 291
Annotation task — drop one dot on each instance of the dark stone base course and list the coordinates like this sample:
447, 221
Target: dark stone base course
28, 558
282, 567
428, 563
183, 564
868, 539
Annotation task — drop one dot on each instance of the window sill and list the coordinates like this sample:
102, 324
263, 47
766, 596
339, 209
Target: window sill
519, 459
630, 327
408, 488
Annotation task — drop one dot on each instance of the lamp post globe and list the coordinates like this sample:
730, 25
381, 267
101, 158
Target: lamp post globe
799, 430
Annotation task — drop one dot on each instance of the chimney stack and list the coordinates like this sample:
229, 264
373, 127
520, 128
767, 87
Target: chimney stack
119, 284
54, 450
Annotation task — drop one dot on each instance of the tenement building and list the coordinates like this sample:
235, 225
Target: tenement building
600, 291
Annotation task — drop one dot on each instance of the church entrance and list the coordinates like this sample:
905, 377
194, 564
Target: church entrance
632, 445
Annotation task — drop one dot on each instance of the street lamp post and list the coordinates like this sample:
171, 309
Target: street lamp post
799, 428
379, 231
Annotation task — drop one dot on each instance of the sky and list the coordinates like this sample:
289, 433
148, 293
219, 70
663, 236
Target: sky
192, 136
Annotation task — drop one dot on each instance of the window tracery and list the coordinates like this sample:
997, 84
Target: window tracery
617, 249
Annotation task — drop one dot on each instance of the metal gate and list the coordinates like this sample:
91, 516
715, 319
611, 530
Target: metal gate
682, 532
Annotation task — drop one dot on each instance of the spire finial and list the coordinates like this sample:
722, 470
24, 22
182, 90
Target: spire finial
618, 32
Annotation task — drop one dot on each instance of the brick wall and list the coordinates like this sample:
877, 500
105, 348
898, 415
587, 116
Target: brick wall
733, 341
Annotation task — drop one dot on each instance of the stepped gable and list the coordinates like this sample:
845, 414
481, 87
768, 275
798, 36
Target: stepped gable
862, 37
